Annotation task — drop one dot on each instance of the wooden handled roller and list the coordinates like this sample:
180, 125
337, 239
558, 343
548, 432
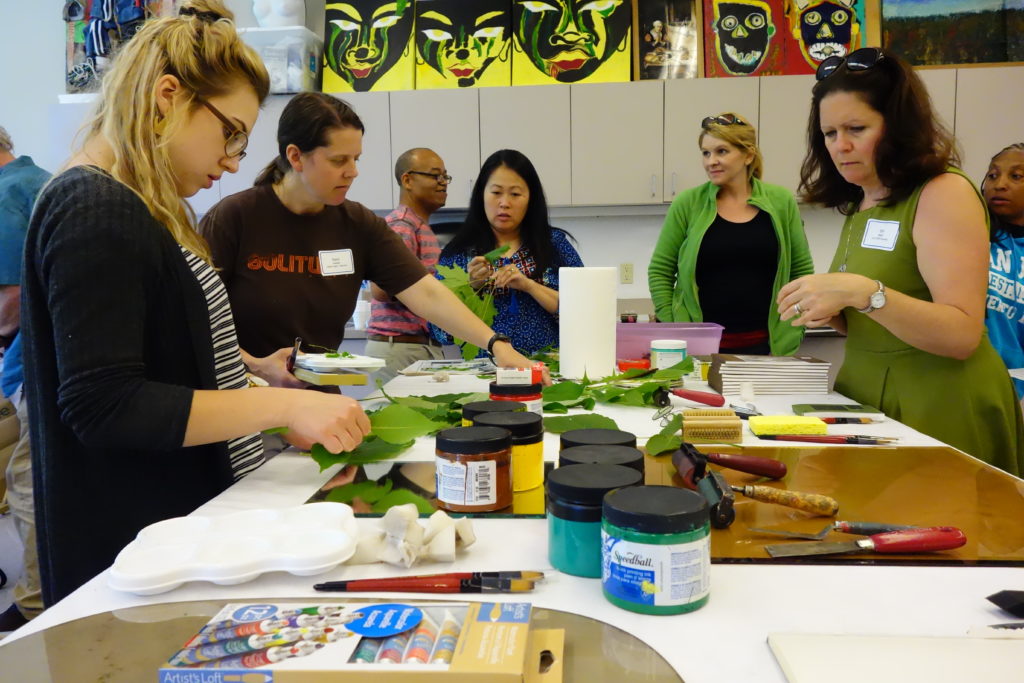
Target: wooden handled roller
808, 502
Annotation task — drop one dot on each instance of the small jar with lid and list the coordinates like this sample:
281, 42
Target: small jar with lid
655, 549
602, 455
529, 394
574, 495
471, 410
597, 437
473, 469
527, 431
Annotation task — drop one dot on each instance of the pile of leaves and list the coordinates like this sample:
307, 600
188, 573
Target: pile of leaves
457, 280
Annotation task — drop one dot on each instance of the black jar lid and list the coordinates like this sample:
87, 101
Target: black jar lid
471, 410
587, 484
602, 455
524, 426
515, 389
656, 509
597, 437
473, 440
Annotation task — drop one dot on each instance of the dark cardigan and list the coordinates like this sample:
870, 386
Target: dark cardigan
117, 336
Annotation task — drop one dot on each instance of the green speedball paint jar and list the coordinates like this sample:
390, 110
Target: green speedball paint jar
574, 495
655, 549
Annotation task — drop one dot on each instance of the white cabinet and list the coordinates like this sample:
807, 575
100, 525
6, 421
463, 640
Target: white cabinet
535, 121
375, 188
446, 121
617, 142
941, 85
687, 102
988, 114
782, 135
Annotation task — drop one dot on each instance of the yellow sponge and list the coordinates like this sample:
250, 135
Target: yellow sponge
786, 424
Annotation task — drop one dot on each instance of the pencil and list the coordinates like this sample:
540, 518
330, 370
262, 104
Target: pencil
406, 584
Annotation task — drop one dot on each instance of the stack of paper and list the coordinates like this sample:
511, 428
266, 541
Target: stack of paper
768, 374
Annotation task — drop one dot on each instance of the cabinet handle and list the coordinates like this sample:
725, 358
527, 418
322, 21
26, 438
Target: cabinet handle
673, 183
654, 180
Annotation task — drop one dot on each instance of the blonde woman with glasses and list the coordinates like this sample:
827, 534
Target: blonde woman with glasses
137, 393
729, 245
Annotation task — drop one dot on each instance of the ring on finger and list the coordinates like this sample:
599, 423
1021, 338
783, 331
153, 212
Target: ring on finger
796, 307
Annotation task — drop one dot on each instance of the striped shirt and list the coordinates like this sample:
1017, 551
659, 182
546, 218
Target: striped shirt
245, 452
391, 318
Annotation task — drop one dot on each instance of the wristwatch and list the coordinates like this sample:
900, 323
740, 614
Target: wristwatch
498, 336
876, 300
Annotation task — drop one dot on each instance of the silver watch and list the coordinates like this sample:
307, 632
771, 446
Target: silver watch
876, 300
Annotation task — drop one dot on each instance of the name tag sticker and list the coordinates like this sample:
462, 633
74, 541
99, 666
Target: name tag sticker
880, 234
336, 262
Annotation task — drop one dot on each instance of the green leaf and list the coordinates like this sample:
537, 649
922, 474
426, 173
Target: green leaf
668, 439
493, 254
275, 430
332, 355
366, 491
555, 407
401, 497
470, 398
557, 425
563, 391
633, 397
675, 372
371, 449
398, 424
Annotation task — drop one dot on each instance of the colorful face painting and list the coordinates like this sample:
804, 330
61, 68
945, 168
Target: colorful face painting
568, 40
823, 29
460, 39
743, 30
364, 39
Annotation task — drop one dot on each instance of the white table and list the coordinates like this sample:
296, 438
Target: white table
725, 640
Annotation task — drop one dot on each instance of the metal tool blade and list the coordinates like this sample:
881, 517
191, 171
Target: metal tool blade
794, 534
820, 548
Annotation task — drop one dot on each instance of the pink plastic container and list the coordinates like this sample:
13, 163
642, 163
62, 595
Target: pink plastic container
633, 340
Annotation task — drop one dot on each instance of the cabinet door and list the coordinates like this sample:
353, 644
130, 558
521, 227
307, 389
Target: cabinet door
782, 135
535, 121
446, 121
617, 142
262, 147
687, 102
941, 85
375, 188
988, 105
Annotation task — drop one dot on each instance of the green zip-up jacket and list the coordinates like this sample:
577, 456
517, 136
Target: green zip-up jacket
671, 273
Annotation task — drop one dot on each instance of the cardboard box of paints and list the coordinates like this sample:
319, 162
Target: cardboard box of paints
328, 642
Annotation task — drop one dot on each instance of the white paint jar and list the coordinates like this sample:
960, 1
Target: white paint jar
667, 352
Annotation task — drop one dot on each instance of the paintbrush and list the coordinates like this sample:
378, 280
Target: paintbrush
527, 575
830, 438
442, 584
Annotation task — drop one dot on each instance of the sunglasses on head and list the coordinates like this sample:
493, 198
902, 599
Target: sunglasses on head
724, 120
858, 60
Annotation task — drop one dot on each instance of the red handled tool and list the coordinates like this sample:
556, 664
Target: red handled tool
751, 464
919, 540
707, 398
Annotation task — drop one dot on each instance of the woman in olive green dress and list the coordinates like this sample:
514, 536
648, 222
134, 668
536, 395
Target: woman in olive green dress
908, 281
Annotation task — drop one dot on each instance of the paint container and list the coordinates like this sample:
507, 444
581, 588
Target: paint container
527, 431
574, 495
529, 394
667, 352
655, 549
471, 410
422, 642
596, 437
473, 469
602, 455
444, 647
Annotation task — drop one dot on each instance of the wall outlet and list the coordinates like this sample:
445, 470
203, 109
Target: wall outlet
626, 273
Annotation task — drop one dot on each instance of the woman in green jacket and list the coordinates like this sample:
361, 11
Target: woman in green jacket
729, 245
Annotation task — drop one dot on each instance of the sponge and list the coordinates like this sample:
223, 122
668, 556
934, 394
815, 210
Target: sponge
786, 424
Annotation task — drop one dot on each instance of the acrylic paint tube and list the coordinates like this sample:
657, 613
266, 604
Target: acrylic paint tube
252, 628
422, 642
444, 647
255, 660
367, 651
237, 646
392, 649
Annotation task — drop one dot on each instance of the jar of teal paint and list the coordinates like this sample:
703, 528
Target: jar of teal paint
574, 495
655, 549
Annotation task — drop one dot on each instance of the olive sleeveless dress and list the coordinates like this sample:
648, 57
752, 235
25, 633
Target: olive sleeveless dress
970, 404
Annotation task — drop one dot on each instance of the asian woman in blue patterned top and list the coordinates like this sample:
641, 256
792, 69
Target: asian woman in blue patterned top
507, 208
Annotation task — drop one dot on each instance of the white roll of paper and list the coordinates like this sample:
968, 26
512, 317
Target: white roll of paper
586, 322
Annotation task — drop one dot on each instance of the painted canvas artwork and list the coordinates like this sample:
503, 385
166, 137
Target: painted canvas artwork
571, 41
667, 40
368, 46
954, 31
814, 30
463, 44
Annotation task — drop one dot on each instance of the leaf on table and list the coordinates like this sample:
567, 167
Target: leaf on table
370, 450
401, 497
675, 372
398, 424
668, 439
367, 491
563, 391
558, 425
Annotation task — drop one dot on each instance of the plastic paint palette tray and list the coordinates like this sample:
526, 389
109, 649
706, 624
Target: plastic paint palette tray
304, 540
323, 362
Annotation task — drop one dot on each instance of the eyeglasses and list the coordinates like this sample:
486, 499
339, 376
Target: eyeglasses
724, 120
858, 60
236, 143
439, 177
